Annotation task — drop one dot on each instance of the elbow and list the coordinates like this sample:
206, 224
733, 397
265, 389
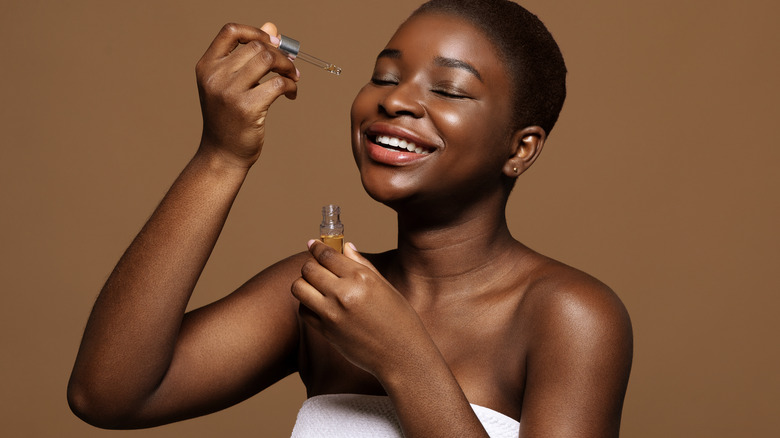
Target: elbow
79, 403
95, 410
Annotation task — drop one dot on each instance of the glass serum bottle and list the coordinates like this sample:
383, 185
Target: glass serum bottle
331, 228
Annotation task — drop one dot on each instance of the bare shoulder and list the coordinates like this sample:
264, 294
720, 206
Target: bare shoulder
580, 348
273, 281
560, 298
284, 269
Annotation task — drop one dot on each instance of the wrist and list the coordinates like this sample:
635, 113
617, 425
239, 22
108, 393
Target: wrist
222, 156
415, 369
216, 170
221, 161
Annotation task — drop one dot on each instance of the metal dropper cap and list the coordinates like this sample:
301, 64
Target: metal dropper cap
289, 46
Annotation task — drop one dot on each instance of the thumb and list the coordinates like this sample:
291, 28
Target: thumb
270, 29
351, 252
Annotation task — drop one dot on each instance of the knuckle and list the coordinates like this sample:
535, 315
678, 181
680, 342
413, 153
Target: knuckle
326, 253
206, 80
205, 72
307, 268
200, 68
256, 46
352, 298
264, 55
276, 86
230, 29
363, 276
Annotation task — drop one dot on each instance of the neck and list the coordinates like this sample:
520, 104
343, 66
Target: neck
451, 256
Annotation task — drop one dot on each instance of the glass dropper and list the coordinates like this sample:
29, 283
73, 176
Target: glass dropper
293, 48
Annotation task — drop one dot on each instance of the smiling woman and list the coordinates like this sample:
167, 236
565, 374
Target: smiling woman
462, 330
439, 84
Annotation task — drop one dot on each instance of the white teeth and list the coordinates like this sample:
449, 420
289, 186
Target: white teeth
400, 143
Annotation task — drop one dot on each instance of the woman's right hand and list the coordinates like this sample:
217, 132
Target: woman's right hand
234, 98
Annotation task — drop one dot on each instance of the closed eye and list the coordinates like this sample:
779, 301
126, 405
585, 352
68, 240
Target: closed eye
451, 94
383, 81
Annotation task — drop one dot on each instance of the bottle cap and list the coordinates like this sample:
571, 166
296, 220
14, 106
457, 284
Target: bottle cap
289, 46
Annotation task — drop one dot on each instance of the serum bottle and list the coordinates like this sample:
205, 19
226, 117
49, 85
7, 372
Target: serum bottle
331, 228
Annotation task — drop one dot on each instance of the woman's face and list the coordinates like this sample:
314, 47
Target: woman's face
440, 86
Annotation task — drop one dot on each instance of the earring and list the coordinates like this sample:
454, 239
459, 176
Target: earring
514, 169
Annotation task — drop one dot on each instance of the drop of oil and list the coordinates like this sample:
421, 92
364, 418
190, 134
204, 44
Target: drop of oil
333, 69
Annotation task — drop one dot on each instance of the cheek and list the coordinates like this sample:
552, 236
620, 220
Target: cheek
358, 113
363, 103
451, 118
462, 126
478, 139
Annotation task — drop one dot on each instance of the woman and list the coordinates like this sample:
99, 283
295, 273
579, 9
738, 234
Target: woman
460, 313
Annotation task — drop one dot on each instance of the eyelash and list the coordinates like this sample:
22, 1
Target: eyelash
379, 81
444, 92
451, 94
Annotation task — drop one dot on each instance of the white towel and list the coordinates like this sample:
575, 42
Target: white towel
360, 416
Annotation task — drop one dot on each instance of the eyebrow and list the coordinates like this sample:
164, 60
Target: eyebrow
440, 61
389, 53
457, 63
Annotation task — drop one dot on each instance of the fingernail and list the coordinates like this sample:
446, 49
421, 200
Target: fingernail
352, 246
297, 72
310, 243
275, 40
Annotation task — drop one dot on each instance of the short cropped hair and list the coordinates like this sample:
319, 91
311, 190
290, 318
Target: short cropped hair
532, 57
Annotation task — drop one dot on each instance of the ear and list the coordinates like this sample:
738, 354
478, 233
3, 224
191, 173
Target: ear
526, 145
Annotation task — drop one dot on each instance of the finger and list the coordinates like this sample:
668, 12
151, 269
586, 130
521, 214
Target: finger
351, 252
230, 36
319, 277
310, 318
267, 92
329, 258
308, 296
245, 52
256, 59
271, 29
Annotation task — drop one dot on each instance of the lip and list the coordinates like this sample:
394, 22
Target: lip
392, 157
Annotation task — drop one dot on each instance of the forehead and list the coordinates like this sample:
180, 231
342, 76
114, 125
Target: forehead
439, 35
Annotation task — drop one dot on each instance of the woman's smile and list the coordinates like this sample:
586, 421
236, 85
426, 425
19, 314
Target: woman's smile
437, 110
390, 144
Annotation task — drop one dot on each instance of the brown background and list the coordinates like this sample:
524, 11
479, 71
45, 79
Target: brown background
660, 179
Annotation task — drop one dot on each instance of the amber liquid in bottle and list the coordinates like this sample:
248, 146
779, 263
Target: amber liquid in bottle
335, 242
331, 228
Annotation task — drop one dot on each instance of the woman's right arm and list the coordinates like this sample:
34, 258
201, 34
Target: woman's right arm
142, 361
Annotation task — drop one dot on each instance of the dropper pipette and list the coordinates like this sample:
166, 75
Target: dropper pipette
293, 48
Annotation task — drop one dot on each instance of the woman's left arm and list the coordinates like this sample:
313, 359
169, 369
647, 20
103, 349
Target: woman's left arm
578, 363
372, 325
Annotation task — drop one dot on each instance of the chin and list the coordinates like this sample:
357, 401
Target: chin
384, 191
381, 193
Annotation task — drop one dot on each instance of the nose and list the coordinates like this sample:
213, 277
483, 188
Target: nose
402, 100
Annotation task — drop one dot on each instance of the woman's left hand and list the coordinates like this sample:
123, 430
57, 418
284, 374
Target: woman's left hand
365, 318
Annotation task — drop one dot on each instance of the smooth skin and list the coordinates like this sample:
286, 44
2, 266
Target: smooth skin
461, 312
